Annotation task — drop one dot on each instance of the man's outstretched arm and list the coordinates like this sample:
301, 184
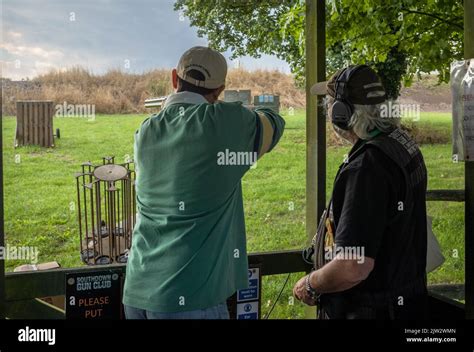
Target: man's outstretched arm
270, 127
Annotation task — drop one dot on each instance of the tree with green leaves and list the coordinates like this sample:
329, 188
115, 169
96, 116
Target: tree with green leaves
400, 38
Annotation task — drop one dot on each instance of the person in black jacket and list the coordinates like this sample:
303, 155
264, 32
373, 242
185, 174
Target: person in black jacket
370, 250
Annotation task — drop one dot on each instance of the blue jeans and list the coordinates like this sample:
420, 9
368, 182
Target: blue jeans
217, 312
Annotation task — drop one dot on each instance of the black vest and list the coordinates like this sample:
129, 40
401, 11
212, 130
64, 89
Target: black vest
403, 151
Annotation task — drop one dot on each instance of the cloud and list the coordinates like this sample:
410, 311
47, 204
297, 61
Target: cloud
32, 52
104, 34
21, 61
12, 34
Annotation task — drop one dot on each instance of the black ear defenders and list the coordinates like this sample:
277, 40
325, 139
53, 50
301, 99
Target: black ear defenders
342, 109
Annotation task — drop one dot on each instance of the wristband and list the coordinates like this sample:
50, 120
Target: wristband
311, 291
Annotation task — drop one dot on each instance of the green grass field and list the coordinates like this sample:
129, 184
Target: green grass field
40, 186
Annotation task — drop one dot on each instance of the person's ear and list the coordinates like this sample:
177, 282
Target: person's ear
174, 79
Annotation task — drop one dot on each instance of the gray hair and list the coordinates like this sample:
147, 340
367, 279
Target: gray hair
366, 118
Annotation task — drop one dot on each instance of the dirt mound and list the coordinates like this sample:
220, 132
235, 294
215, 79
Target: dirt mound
430, 95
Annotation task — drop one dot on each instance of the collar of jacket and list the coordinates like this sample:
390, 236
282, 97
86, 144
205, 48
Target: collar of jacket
185, 98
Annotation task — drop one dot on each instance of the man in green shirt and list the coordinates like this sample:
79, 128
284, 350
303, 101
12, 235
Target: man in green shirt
189, 252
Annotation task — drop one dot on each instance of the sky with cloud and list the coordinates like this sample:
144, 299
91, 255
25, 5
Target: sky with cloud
135, 36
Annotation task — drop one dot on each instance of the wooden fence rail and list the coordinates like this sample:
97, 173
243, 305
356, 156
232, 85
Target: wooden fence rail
24, 288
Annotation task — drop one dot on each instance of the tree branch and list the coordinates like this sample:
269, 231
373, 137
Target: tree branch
439, 18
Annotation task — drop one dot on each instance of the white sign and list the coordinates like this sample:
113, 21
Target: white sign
248, 300
468, 102
251, 293
462, 88
247, 311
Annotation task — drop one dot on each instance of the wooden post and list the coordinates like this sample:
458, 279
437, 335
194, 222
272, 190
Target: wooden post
2, 235
315, 118
469, 177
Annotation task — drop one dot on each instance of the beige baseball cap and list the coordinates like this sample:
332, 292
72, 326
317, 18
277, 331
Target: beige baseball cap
211, 63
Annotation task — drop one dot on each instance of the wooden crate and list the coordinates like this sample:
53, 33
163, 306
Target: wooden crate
34, 123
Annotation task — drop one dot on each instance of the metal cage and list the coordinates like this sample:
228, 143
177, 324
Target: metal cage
106, 207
